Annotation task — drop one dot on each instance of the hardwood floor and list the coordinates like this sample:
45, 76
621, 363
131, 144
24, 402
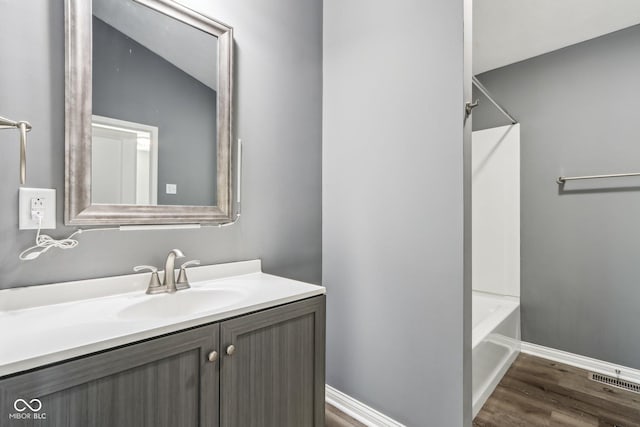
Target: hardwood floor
336, 418
540, 392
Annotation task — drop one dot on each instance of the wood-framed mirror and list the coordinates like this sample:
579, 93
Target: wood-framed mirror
148, 97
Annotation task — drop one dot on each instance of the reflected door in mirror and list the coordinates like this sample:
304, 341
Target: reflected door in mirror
124, 162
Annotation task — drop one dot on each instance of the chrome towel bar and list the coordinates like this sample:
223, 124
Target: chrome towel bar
562, 179
24, 127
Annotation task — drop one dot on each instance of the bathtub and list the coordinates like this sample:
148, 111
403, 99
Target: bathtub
495, 342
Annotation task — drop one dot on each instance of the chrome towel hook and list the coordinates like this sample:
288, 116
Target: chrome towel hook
23, 127
469, 106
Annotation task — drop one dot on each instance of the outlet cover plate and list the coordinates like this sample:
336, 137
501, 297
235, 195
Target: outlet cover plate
46, 199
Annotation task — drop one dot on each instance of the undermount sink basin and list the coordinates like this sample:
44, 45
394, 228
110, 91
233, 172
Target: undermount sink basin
181, 303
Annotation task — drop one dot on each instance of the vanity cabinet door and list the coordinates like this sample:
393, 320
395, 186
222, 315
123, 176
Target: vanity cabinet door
163, 382
272, 367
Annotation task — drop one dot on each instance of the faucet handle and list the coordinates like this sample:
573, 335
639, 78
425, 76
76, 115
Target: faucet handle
154, 283
139, 268
183, 282
190, 263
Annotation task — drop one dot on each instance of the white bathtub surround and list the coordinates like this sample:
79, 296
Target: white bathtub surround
496, 210
45, 324
489, 311
358, 410
583, 362
496, 342
496, 257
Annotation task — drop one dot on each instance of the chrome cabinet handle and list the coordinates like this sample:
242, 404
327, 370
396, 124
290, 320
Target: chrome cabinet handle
213, 356
231, 349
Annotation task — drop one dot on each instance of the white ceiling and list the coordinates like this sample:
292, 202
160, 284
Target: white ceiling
193, 51
509, 31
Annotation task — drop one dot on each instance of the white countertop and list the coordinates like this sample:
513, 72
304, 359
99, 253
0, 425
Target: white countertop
40, 325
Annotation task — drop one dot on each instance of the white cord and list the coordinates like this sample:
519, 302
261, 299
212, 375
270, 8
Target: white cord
47, 242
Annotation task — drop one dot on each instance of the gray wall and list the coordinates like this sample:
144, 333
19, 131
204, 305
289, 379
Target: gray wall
393, 206
578, 109
277, 113
132, 83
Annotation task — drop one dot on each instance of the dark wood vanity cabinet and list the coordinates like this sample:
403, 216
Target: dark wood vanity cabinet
267, 371
163, 382
274, 376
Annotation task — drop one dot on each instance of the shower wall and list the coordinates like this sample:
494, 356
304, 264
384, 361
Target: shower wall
578, 109
496, 210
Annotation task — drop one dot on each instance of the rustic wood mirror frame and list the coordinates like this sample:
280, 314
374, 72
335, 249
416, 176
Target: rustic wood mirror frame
78, 109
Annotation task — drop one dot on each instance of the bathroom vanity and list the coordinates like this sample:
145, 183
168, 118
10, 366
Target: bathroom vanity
256, 360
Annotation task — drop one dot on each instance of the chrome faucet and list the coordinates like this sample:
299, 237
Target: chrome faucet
169, 281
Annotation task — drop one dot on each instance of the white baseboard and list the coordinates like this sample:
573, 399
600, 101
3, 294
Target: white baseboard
358, 410
582, 362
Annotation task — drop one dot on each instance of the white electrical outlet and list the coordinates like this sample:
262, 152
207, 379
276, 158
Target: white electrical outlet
34, 203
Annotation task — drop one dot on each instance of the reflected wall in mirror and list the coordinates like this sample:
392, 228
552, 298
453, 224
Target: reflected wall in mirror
152, 69
148, 122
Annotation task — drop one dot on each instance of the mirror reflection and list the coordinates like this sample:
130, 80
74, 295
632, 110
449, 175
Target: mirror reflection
154, 108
